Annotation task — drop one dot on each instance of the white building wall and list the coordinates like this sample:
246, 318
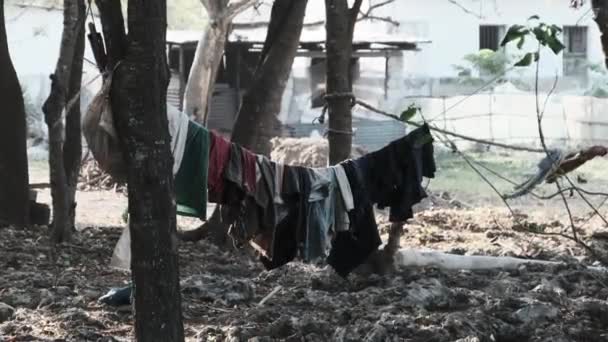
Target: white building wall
34, 37
455, 33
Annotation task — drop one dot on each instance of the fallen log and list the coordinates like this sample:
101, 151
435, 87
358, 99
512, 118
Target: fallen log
406, 257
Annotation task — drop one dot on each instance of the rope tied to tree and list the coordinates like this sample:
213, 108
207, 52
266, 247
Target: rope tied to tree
335, 96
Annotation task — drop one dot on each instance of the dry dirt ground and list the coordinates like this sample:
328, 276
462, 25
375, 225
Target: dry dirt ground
47, 296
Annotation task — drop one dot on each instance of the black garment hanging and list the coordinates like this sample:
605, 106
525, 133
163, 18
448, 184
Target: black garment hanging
351, 248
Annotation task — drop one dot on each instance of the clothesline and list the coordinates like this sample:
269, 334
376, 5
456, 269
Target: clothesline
287, 212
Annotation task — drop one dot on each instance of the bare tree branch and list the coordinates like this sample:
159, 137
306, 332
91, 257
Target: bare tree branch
539, 117
465, 10
580, 193
234, 8
368, 14
260, 24
542, 197
485, 179
365, 16
378, 5
354, 11
385, 19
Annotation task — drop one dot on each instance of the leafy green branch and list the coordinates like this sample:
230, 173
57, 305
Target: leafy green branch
545, 34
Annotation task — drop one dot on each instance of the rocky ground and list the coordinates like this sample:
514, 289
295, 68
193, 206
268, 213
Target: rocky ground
228, 296
46, 297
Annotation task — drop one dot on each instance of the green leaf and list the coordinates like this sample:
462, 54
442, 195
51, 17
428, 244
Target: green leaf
526, 60
555, 44
540, 34
534, 17
515, 32
520, 44
409, 113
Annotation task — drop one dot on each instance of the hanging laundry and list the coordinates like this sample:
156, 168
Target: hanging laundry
346, 202
178, 124
394, 173
234, 171
190, 146
320, 219
258, 219
309, 202
278, 182
268, 195
249, 171
218, 160
329, 213
352, 248
191, 179
283, 245
265, 190
390, 177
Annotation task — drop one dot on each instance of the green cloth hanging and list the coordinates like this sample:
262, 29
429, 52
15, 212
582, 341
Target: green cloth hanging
191, 178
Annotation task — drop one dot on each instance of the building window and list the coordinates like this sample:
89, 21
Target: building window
490, 36
575, 53
575, 39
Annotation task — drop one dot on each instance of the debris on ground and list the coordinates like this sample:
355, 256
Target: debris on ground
46, 297
93, 178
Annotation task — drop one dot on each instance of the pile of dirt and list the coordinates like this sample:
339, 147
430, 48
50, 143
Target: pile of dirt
492, 231
310, 152
47, 299
93, 178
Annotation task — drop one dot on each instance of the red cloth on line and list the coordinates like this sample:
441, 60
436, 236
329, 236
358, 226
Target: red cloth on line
219, 155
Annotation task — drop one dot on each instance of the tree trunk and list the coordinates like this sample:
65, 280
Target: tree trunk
339, 29
114, 35
72, 149
601, 18
73, 27
257, 121
139, 97
208, 56
14, 192
203, 72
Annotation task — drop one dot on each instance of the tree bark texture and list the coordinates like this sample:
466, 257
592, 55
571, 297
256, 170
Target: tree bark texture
72, 148
139, 97
114, 34
73, 27
257, 121
14, 191
203, 72
208, 56
339, 47
601, 18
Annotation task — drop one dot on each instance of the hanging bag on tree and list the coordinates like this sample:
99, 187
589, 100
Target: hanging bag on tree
100, 134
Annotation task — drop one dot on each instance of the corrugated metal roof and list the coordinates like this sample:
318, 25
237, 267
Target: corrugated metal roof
251, 26
183, 36
309, 36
